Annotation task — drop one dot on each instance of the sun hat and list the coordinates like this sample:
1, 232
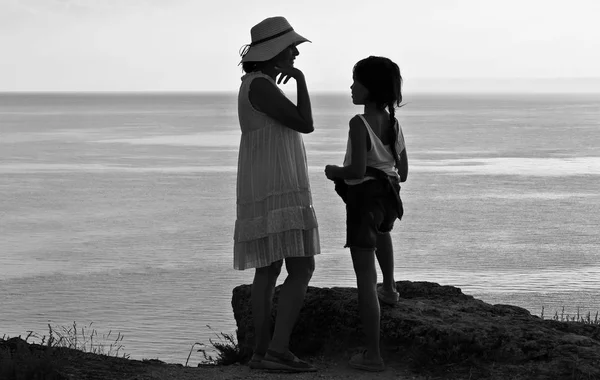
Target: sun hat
269, 38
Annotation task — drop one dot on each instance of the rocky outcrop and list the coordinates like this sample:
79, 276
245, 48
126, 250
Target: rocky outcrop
438, 327
20, 360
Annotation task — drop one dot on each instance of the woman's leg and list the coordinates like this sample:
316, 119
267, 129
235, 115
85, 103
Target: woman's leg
263, 288
368, 304
385, 258
291, 299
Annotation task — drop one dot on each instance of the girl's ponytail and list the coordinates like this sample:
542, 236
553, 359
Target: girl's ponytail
394, 133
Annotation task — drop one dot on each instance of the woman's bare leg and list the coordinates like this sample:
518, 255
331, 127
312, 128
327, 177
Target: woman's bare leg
263, 288
291, 299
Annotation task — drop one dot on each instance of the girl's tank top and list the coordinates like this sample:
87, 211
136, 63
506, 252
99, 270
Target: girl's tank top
379, 156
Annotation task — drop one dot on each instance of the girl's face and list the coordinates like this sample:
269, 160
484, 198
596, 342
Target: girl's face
360, 94
287, 56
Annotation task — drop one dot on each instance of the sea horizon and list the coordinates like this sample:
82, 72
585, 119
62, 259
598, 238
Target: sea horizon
421, 86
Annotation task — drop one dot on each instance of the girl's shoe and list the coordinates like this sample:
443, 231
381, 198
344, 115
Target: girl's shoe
286, 361
360, 361
387, 297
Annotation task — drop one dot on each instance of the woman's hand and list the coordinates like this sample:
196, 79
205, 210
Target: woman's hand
285, 73
330, 172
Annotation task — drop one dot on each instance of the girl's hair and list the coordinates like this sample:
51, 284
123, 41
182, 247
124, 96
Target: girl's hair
381, 77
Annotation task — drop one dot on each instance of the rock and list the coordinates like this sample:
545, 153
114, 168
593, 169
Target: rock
20, 360
438, 326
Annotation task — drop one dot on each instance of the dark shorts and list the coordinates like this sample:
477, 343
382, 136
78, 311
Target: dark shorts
372, 207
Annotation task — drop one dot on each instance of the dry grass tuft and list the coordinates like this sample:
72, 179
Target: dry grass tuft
576, 318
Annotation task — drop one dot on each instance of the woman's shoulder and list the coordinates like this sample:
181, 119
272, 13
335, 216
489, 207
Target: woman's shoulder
262, 86
262, 83
255, 76
256, 81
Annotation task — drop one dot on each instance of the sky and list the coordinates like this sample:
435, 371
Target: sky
192, 45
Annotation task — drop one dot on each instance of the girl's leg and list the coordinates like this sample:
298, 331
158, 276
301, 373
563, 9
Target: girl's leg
291, 299
263, 288
385, 258
368, 304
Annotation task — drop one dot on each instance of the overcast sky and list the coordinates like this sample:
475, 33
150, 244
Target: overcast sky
192, 45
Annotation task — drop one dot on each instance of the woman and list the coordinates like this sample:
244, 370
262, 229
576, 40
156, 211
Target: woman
276, 221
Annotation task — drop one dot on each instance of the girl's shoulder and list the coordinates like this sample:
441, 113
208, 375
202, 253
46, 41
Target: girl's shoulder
357, 121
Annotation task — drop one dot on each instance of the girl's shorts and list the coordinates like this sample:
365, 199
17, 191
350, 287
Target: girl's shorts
372, 207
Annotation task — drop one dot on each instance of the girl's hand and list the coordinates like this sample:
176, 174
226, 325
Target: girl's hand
329, 172
285, 73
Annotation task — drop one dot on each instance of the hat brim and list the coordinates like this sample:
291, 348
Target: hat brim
269, 49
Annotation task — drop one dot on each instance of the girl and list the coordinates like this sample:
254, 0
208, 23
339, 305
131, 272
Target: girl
375, 163
276, 221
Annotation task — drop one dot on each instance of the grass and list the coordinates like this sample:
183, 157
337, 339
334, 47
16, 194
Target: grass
221, 350
84, 339
26, 362
226, 348
575, 318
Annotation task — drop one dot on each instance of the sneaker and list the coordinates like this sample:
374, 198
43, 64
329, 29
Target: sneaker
359, 361
387, 297
287, 362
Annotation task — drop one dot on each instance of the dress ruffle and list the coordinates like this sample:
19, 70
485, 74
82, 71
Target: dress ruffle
262, 252
276, 221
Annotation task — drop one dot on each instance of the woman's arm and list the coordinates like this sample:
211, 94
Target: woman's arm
358, 160
267, 98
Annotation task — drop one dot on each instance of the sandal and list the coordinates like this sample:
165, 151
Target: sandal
256, 362
286, 361
359, 361
387, 297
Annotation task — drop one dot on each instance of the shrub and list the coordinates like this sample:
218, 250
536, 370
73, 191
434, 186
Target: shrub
226, 347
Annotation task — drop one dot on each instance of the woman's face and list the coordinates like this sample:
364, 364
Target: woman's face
287, 56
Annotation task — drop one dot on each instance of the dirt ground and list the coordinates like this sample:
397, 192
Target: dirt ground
83, 366
326, 370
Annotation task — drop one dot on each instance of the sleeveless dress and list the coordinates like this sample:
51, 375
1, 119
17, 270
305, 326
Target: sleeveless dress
275, 215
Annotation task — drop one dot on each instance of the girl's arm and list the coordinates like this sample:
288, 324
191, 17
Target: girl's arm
358, 161
267, 98
403, 168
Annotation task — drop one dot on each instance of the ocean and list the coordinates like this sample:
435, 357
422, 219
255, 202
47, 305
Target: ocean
117, 210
